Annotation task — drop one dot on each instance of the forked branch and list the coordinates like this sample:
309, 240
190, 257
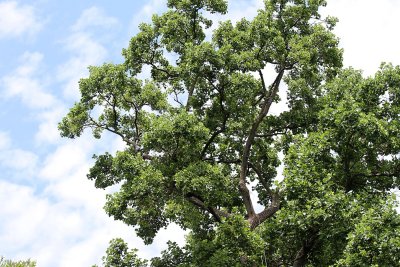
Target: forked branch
266, 105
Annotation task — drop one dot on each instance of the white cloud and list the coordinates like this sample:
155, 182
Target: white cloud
5, 140
44, 230
368, 32
94, 16
28, 84
24, 83
86, 50
16, 19
48, 127
18, 159
20, 217
243, 9
54, 225
66, 159
21, 162
145, 13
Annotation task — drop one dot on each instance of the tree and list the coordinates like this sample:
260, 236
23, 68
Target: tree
201, 138
119, 256
10, 263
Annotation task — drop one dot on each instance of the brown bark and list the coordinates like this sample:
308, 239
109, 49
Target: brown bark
244, 191
303, 253
266, 213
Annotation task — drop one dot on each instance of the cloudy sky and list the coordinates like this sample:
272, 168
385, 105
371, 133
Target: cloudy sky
49, 211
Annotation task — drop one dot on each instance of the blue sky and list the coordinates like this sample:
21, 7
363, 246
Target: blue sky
49, 211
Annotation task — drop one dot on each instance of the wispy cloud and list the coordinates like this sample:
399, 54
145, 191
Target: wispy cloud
17, 20
5, 140
19, 159
86, 49
24, 83
66, 216
28, 84
239, 9
145, 13
47, 132
22, 163
69, 218
94, 17
55, 165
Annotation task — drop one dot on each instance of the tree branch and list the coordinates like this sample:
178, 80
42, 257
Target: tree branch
275, 201
301, 256
123, 137
244, 191
262, 81
213, 136
199, 202
191, 91
260, 178
223, 127
267, 212
270, 135
281, 130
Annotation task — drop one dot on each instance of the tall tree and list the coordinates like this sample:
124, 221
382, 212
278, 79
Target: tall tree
202, 142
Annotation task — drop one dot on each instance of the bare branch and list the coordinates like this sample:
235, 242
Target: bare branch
176, 99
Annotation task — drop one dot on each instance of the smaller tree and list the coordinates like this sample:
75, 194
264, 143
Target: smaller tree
22, 263
119, 256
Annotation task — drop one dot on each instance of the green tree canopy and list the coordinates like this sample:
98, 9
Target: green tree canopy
202, 139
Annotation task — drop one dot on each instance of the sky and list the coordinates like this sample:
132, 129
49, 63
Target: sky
49, 210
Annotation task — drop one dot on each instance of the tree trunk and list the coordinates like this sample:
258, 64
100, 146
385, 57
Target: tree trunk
302, 254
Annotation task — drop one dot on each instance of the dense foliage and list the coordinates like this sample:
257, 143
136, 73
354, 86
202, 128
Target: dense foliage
203, 143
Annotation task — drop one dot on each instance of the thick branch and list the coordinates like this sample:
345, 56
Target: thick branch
247, 147
281, 130
267, 212
275, 201
271, 134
